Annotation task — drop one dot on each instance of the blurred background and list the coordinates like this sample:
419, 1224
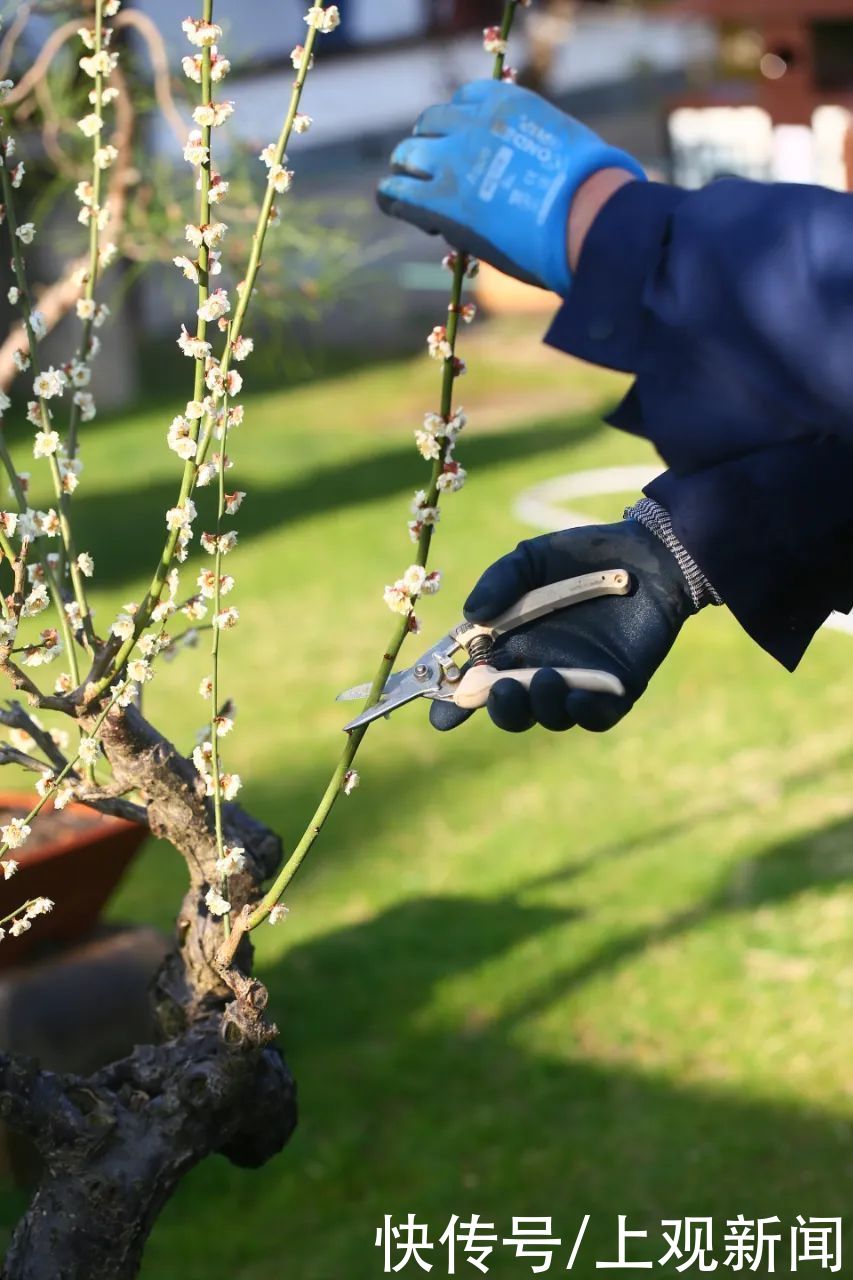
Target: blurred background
547, 976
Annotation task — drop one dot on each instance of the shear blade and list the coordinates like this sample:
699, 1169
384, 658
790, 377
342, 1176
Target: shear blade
360, 691
408, 693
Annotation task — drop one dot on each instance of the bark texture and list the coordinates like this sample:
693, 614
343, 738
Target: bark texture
116, 1144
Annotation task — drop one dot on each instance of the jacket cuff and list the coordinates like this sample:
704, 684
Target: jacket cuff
773, 532
603, 318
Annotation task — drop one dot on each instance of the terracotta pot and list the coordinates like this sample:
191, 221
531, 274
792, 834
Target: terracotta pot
78, 863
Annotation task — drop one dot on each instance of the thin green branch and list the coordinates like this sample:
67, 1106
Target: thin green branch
93, 269
254, 265
215, 644
64, 772
65, 526
401, 630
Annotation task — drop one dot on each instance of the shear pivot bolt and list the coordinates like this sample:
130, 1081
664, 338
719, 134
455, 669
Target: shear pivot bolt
421, 671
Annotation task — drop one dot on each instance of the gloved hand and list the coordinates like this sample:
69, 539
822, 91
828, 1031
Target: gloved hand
628, 636
495, 172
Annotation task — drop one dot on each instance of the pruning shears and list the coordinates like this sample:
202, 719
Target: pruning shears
436, 675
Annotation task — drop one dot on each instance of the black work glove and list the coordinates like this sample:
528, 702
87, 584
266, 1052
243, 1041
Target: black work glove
628, 636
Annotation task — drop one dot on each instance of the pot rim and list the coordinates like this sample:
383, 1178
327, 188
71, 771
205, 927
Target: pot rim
100, 829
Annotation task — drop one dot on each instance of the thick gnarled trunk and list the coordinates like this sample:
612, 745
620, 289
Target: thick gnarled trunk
115, 1145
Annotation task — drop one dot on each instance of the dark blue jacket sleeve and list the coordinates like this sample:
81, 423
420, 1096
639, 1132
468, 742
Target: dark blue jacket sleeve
734, 308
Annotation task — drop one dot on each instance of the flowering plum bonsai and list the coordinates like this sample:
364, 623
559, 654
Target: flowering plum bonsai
115, 1145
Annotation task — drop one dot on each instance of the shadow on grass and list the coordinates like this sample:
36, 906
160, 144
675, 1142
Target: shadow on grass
133, 519
411, 1105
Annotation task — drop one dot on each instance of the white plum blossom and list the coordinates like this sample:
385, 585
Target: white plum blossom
195, 151
89, 750
86, 308
9, 866
182, 516
38, 655
223, 542
14, 295
493, 41
126, 693
279, 913
90, 125
222, 384
206, 687
40, 907
416, 581
188, 268
216, 904
210, 115
201, 33
105, 157
46, 444
452, 477
123, 626
397, 599
102, 63
139, 670
242, 347
233, 502
281, 178
324, 20
219, 66
206, 583
216, 306
439, 347
213, 234
36, 602
229, 785
226, 619
233, 860
428, 445
26, 232
85, 402
193, 346
195, 609
302, 123
219, 189
297, 57
85, 564
69, 472
180, 438
47, 781
15, 833
351, 781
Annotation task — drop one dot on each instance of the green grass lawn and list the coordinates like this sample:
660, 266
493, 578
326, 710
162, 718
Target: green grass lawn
548, 975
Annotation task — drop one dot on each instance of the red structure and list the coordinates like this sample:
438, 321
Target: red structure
808, 52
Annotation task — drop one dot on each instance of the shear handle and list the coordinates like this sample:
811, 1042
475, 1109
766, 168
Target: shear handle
557, 595
476, 685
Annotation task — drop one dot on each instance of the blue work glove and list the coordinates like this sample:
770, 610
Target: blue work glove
495, 172
628, 636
